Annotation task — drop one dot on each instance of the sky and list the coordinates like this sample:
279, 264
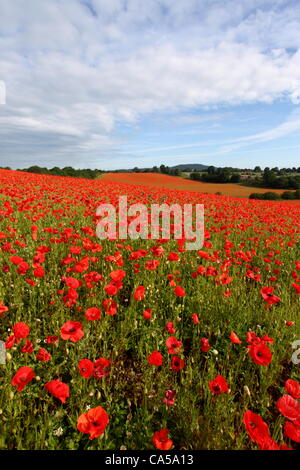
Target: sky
114, 84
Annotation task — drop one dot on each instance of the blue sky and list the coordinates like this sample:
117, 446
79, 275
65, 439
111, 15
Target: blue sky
121, 83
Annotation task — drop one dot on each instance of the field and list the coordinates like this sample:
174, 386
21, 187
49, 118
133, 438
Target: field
142, 344
175, 182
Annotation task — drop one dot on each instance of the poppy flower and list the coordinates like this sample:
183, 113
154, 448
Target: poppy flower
292, 431
21, 330
92, 313
72, 282
169, 398
173, 256
289, 407
173, 345
111, 289
51, 339
170, 327
204, 344
86, 368
179, 291
10, 341
109, 306
268, 296
16, 259
177, 363
23, 268
255, 426
218, 385
39, 272
93, 422
161, 440
43, 355
27, 348
139, 293
3, 309
155, 358
58, 389
72, 330
195, 318
234, 338
147, 314
260, 354
292, 387
101, 368
22, 377
117, 275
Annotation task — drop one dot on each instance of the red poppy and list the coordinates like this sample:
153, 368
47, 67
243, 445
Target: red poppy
72, 282
292, 430
86, 368
21, 330
16, 259
58, 389
22, 377
218, 385
43, 355
93, 422
195, 318
173, 256
170, 327
256, 427
3, 309
23, 268
292, 387
51, 339
27, 348
268, 296
117, 275
111, 289
173, 345
161, 440
101, 368
72, 330
39, 272
234, 338
92, 313
179, 291
289, 407
260, 354
169, 398
109, 306
139, 293
205, 346
155, 358
147, 314
177, 363
10, 341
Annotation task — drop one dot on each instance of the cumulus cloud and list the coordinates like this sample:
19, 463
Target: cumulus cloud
75, 71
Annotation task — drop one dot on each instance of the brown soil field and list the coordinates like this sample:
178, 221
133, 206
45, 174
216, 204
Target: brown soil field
175, 182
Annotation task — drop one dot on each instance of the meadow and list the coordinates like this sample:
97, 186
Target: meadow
141, 344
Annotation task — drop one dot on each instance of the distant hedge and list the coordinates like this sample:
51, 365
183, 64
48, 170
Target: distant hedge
271, 196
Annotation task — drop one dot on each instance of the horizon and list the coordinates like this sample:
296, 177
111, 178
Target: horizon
117, 85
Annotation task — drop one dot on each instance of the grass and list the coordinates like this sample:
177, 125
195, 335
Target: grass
241, 236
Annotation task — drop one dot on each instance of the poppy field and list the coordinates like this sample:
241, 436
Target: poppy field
142, 344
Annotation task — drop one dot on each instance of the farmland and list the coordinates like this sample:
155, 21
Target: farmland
142, 344
173, 182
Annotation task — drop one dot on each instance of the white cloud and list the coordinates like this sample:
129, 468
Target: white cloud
78, 68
